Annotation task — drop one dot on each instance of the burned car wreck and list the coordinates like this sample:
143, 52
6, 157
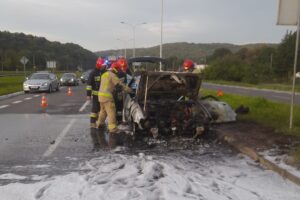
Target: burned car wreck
167, 103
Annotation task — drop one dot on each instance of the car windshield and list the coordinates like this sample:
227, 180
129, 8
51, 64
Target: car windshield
68, 75
39, 76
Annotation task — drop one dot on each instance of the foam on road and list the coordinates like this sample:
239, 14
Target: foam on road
180, 175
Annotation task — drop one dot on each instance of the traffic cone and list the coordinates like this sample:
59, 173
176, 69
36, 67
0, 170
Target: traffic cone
220, 93
69, 93
44, 103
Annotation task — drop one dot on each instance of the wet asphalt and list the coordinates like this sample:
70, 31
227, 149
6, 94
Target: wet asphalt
34, 136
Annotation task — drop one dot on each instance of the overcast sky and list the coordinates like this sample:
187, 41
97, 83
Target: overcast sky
95, 24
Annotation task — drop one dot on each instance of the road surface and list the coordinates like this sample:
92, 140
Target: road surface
46, 154
279, 96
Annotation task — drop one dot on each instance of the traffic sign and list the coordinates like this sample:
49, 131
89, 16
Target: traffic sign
288, 12
51, 64
24, 60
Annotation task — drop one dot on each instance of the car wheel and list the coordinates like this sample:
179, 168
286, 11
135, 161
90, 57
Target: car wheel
50, 89
26, 92
57, 88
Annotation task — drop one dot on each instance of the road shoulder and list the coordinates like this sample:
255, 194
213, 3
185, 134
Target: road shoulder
257, 142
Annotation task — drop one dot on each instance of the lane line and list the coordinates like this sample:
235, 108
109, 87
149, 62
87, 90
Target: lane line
16, 102
37, 95
4, 106
59, 138
84, 106
28, 98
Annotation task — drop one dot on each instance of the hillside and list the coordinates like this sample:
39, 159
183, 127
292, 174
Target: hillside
196, 52
38, 50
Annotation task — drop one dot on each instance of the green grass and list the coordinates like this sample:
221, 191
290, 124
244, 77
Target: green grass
265, 112
272, 86
11, 84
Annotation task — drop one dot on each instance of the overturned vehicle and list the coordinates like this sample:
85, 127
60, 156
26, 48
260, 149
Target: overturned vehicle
167, 103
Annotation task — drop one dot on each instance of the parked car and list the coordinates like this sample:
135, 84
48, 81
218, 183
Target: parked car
85, 75
69, 79
41, 81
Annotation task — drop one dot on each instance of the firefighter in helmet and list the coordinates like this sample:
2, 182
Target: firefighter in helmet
109, 82
92, 88
188, 65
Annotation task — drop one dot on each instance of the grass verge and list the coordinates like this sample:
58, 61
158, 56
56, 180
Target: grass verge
271, 86
263, 111
11, 84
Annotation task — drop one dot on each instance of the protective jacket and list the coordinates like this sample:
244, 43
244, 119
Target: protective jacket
93, 83
109, 81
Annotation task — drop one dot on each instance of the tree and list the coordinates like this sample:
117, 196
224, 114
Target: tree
284, 57
219, 53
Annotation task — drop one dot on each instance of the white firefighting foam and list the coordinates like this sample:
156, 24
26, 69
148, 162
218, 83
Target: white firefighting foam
173, 176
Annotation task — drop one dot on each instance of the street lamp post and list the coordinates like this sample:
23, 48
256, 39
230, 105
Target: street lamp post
125, 45
133, 26
161, 33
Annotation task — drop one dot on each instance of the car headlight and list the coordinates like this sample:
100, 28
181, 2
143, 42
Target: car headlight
61, 80
25, 84
72, 79
45, 84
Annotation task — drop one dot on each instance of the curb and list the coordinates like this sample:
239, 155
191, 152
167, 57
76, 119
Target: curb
11, 95
248, 151
252, 88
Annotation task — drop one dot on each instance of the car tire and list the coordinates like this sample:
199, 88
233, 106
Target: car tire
50, 89
26, 92
57, 88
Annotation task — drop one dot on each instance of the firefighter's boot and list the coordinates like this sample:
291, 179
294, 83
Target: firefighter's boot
101, 137
95, 139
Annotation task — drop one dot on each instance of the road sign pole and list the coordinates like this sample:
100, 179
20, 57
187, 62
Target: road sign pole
294, 71
24, 69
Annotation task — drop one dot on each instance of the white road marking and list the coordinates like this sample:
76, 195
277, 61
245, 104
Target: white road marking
16, 102
37, 95
59, 138
64, 132
28, 98
84, 106
4, 106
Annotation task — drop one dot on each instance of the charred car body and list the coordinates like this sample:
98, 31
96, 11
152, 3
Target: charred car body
167, 103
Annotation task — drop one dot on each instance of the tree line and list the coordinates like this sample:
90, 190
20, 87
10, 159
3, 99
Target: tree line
69, 56
254, 65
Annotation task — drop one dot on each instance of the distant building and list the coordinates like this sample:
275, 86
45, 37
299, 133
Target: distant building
200, 67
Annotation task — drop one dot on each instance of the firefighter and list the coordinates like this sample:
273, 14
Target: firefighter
188, 65
120, 67
109, 81
92, 88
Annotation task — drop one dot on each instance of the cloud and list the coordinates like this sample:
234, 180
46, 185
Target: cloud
95, 24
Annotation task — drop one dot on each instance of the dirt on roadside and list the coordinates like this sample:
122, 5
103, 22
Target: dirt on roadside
263, 138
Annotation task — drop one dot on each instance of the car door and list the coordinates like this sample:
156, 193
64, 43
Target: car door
54, 81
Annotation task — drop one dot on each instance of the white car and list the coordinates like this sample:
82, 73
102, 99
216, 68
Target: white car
41, 81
